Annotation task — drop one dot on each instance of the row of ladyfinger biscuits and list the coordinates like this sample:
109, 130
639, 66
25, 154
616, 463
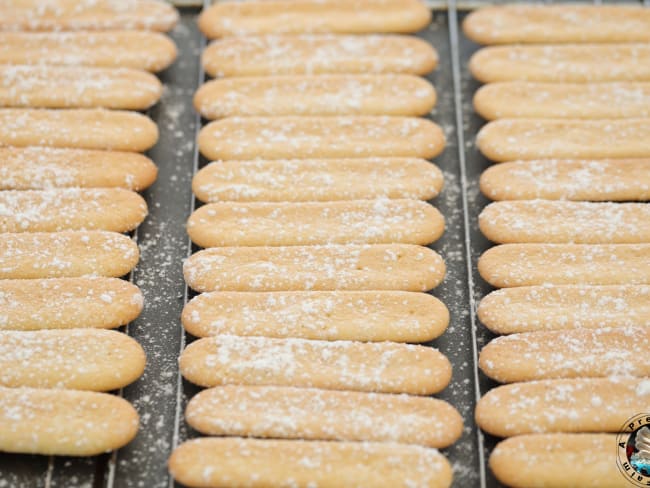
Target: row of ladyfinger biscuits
295, 367
566, 380
49, 377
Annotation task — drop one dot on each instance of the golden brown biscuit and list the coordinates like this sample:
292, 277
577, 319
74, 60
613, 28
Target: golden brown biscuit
557, 460
520, 24
562, 179
315, 95
522, 99
320, 137
68, 303
566, 264
531, 308
567, 354
233, 18
318, 54
75, 359
224, 462
36, 168
66, 254
313, 414
70, 87
569, 63
317, 180
77, 128
383, 367
64, 422
565, 222
320, 268
87, 15
512, 139
315, 223
564, 405
372, 316
111, 49
113, 209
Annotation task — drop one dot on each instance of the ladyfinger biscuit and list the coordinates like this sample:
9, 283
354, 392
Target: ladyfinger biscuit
316, 95
76, 359
64, 422
313, 414
382, 367
520, 24
67, 303
531, 308
233, 18
512, 139
66, 254
112, 49
225, 462
570, 63
557, 460
113, 209
314, 223
321, 137
84, 87
36, 168
553, 179
566, 264
567, 354
522, 99
317, 180
320, 268
564, 405
33, 15
339, 315
318, 54
77, 128
559, 221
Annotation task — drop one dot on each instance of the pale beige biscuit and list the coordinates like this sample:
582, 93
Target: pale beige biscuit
318, 54
37, 168
313, 414
383, 367
570, 63
316, 95
335, 315
66, 254
562, 405
567, 354
224, 462
566, 264
512, 139
517, 24
315, 223
320, 268
76, 359
531, 308
113, 209
34, 15
83, 87
564, 222
317, 180
234, 18
64, 422
111, 49
68, 303
565, 179
557, 461
77, 128
320, 137
515, 99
